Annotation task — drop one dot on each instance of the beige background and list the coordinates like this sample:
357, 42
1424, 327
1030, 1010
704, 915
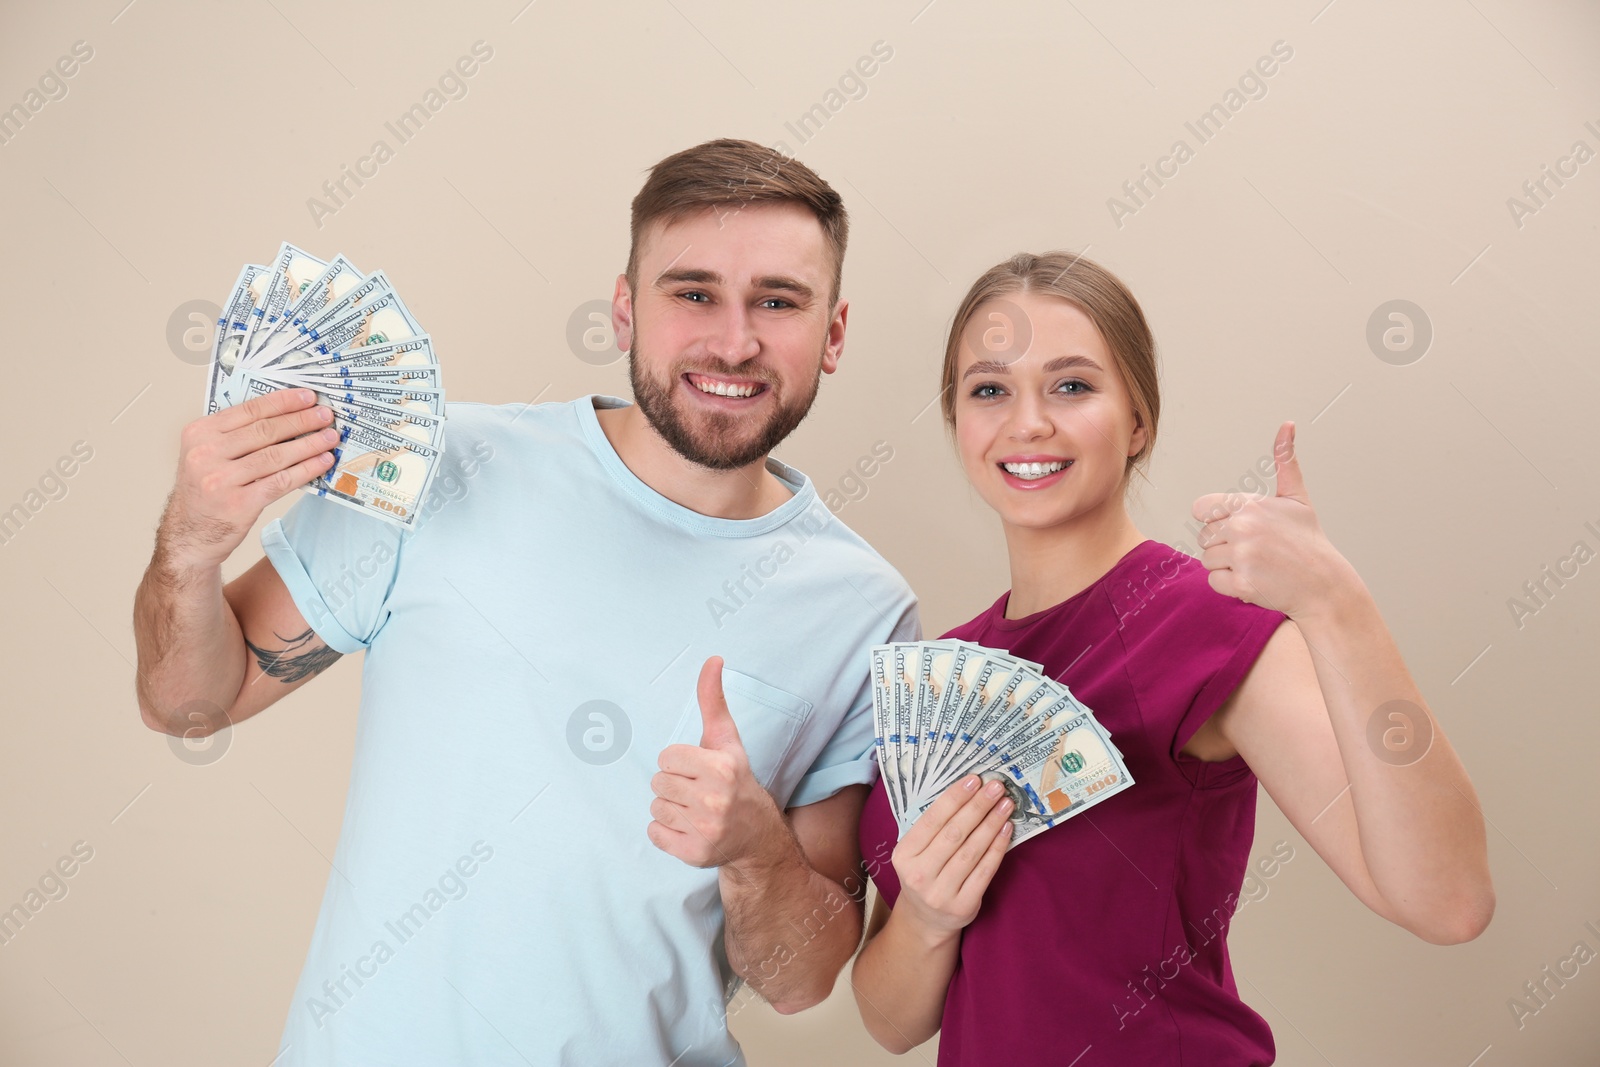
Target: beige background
1377, 167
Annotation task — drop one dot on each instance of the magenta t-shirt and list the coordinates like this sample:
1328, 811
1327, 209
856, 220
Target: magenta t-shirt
1107, 932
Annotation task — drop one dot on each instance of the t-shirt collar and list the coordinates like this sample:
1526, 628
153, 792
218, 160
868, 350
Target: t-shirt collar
997, 611
804, 498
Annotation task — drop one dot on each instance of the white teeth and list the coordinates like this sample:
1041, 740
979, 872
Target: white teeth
724, 389
1031, 471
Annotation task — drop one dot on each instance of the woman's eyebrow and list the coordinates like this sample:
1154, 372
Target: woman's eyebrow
995, 366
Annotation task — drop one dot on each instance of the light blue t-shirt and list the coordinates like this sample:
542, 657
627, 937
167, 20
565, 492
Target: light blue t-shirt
531, 647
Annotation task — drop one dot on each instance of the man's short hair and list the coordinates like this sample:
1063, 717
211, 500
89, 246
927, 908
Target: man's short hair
730, 173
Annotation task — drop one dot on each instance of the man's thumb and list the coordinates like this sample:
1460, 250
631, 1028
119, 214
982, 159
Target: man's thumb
717, 728
1290, 481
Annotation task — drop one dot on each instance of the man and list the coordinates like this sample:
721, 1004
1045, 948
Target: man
571, 829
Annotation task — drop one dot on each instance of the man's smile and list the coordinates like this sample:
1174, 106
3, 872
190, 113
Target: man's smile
735, 389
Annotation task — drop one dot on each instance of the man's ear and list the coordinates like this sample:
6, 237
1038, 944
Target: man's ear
833, 351
622, 313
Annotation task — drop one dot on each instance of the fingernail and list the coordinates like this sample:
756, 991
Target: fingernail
324, 414
993, 789
1005, 805
306, 397
971, 783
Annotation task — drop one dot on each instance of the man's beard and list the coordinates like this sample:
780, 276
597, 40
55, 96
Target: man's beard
717, 440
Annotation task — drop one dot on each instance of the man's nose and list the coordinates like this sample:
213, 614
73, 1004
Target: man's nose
732, 337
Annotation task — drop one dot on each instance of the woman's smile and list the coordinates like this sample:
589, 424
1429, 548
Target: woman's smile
1033, 472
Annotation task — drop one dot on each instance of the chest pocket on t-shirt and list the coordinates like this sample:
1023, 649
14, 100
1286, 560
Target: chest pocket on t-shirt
769, 721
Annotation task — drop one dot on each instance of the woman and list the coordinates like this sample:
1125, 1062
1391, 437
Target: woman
1102, 940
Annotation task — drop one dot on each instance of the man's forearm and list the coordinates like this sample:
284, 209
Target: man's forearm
790, 929
191, 651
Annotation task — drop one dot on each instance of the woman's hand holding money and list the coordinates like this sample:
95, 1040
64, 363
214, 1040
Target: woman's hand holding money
946, 859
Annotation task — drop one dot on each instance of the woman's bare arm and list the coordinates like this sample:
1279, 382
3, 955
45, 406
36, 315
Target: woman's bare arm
1333, 725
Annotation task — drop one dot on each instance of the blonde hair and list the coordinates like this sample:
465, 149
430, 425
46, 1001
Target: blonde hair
1096, 292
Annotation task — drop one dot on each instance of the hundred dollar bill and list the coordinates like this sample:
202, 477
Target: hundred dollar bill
417, 422
1035, 711
351, 340
292, 271
1054, 776
368, 288
998, 678
378, 320
403, 399
325, 290
419, 399
888, 681
1006, 722
381, 474
1023, 717
946, 709
935, 660
903, 682
979, 683
394, 378
882, 716
996, 720
965, 666
1079, 771
259, 286
405, 360
232, 325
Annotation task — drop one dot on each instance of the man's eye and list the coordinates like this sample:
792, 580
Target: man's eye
694, 293
776, 300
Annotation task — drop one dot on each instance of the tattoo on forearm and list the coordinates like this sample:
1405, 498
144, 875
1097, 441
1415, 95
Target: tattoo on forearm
295, 661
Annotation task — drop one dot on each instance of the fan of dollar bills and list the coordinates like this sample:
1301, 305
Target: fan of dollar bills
946, 709
304, 322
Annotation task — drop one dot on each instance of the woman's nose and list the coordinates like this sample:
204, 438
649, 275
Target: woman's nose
1028, 421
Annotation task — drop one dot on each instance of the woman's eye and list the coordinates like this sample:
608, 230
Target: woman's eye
1083, 387
978, 391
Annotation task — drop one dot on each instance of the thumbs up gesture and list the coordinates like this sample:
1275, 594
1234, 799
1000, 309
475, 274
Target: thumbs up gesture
709, 810
1270, 550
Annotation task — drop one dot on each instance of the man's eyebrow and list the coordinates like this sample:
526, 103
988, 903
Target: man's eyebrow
687, 274
786, 284
780, 282
995, 366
